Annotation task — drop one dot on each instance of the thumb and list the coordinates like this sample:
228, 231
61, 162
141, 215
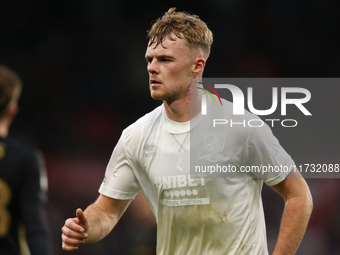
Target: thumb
81, 217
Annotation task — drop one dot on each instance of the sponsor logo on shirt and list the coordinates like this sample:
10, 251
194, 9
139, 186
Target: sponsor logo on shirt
181, 190
149, 149
182, 202
178, 181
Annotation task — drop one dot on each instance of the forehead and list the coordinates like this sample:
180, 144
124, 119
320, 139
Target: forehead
168, 46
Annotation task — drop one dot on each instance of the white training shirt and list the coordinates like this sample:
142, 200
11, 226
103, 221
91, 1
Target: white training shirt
198, 215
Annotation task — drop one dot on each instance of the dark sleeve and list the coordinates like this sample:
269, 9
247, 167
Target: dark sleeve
32, 202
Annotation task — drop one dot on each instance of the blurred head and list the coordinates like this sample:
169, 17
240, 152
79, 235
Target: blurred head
10, 89
183, 26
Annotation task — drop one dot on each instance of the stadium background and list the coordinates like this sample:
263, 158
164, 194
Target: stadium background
85, 79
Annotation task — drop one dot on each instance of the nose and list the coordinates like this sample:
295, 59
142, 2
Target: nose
153, 67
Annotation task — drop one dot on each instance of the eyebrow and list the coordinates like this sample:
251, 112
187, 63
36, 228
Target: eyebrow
159, 56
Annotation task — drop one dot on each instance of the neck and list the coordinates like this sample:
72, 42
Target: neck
184, 109
177, 111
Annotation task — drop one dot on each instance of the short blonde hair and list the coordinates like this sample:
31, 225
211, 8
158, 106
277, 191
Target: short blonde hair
194, 30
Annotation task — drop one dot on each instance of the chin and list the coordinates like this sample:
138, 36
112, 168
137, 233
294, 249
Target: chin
157, 96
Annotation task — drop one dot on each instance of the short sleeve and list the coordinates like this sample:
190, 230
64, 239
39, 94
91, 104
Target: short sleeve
120, 181
265, 154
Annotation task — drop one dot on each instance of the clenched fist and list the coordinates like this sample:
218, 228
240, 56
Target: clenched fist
74, 232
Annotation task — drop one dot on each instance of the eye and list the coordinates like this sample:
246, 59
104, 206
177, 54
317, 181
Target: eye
165, 60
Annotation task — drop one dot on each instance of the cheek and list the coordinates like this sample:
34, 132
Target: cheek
180, 74
177, 81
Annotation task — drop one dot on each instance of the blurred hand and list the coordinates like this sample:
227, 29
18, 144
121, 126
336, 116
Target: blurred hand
74, 232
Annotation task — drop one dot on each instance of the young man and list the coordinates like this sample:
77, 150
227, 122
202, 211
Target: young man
23, 182
194, 215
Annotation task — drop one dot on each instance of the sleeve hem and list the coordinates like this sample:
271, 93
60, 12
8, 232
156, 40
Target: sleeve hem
279, 178
116, 194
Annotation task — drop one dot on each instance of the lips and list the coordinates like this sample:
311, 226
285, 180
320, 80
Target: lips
154, 83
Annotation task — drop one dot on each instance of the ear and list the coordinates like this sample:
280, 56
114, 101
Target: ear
198, 67
12, 111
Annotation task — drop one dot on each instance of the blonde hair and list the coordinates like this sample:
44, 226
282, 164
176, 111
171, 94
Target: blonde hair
182, 24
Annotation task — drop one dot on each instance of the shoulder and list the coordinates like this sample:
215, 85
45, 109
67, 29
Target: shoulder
17, 149
227, 110
147, 118
19, 160
222, 116
144, 122
133, 134
247, 128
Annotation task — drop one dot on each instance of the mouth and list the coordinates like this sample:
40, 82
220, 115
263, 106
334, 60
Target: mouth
155, 83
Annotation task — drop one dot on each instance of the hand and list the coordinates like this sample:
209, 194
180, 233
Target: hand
74, 231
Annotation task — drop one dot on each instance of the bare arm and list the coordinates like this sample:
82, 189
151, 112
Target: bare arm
296, 214
94, 223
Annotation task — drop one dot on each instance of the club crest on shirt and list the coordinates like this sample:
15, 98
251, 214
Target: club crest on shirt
149, 149
214, 143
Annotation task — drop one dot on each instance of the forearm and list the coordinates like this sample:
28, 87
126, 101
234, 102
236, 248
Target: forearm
102, 216
293, 225
94, 223
100, 222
